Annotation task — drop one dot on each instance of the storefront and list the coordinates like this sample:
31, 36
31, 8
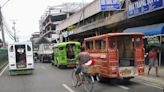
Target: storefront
154, 34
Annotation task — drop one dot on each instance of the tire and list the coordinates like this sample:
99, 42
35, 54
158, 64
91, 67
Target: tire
126, 79
88, 83
102, 79
52, 63
58, 66
73, 79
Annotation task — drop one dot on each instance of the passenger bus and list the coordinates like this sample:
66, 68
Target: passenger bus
65, 54
119, 55
20, 56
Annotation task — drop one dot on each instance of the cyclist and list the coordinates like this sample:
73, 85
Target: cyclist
83, 57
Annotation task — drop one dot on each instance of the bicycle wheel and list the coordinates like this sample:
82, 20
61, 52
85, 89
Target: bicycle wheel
74, 80
88, 83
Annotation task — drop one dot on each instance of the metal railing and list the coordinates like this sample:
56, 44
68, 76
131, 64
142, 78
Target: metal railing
3, 57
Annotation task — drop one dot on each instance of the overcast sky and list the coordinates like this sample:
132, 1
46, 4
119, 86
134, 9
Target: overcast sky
27, 13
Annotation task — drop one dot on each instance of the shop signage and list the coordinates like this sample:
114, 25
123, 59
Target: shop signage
140, 7
106, 5
65, 34
153, 40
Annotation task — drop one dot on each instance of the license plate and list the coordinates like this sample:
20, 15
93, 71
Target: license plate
21, 66
126, 72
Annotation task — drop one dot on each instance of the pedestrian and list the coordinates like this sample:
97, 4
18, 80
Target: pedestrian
153, 60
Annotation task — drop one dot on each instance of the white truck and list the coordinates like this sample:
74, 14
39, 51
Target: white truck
45, 52
20, 56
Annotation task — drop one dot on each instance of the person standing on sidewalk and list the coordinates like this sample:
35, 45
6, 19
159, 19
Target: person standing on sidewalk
153, 61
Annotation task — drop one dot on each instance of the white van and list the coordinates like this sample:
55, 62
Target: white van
20, 56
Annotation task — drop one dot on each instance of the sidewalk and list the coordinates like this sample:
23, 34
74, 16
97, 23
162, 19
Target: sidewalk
152, 77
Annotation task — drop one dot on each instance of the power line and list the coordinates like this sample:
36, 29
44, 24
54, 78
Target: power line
7, 28
1, 22
5, 3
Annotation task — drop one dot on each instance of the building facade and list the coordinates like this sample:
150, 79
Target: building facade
54, 16
104, 16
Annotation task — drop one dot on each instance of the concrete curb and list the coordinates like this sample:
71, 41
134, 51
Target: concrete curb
151, 80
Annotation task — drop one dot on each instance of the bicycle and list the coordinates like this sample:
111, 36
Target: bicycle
87, 79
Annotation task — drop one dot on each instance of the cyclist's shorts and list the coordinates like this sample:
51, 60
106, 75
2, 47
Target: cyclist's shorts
78, 70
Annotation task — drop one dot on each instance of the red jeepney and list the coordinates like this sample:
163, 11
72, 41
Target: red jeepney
119, 55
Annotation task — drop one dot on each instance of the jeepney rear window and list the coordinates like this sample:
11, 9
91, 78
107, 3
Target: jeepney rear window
11, 49
89, 45
100, 44
28, 48
60, 48
125, 45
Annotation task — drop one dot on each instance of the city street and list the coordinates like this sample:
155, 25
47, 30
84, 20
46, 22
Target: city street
48, 78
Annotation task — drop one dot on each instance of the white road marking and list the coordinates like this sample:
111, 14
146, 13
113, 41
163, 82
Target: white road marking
68, 88
153, 85
123, 87
150, 84
3, 70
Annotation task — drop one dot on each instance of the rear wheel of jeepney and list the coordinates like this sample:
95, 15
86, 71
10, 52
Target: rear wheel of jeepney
101, 78
126, 79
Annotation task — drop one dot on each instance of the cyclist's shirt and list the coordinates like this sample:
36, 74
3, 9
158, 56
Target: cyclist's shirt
83, 57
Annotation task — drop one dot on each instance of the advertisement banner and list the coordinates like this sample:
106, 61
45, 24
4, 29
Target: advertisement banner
140, 7
106, 5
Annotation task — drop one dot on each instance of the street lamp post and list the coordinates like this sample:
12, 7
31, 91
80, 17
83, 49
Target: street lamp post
15, 38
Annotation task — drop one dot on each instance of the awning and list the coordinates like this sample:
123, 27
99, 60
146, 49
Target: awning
151, 30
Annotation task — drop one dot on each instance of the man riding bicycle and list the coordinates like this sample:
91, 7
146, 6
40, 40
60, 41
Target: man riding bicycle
83, 57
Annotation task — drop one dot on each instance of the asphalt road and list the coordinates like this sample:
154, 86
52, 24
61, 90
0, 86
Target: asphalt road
48, 78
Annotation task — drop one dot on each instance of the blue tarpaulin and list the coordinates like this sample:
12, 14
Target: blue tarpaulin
150, 30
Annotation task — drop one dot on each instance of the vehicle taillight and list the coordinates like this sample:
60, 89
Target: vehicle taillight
141, 70
29, 63
12, 65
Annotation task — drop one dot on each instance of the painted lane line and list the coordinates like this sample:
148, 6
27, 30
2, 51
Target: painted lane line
153, 85
150, 84
68, 88
126, 88
3, 70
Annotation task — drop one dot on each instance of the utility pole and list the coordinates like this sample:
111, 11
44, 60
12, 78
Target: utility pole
1, 25
15, 38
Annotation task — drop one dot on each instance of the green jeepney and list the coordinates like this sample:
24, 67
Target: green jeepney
65, 54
